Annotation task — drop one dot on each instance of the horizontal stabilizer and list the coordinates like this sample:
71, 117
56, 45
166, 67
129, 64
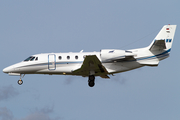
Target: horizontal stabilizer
149, 62
158, 45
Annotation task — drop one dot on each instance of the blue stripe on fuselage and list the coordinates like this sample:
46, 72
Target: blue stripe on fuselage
165, 53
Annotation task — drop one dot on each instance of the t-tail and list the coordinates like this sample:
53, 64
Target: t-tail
161, 45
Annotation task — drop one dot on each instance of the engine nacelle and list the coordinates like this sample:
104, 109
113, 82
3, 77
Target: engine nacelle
112, 54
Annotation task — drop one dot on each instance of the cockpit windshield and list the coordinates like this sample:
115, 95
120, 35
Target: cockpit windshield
31, 58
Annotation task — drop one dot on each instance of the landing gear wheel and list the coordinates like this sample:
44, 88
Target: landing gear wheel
91, 81
20, 82
91, 77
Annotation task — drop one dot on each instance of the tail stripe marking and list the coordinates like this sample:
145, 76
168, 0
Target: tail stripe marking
168, 40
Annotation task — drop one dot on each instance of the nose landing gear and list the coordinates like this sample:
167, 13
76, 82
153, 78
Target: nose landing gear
20, 82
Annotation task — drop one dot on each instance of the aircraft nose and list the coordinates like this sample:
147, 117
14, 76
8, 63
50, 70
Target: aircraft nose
7, 69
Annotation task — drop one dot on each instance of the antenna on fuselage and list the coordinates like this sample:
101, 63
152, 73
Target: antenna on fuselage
81, 51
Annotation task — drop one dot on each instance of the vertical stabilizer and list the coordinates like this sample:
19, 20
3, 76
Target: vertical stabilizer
160, 47
164, 39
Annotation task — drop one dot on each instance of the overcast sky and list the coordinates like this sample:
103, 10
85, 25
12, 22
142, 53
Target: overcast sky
30, 27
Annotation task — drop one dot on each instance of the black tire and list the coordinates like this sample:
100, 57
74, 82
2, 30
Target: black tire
91, 83
91, 77
20, 82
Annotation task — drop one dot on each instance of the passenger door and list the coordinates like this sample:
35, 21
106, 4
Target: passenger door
52, 62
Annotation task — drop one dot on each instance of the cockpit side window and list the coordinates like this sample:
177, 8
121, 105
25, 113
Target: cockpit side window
31, 58
28, 58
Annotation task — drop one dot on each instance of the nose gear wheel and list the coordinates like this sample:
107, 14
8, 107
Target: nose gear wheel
20, 82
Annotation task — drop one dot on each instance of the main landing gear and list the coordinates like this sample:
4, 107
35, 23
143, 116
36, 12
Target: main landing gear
20, 82
91, 81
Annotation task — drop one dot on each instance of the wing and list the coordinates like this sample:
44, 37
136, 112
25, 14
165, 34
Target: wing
92, 65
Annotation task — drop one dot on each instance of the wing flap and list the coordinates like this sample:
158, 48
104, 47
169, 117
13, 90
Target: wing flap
104, 76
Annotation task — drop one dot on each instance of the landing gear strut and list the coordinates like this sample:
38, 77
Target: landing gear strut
91, 81
20, 82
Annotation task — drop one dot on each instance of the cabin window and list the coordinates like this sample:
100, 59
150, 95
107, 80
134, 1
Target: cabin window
36, 58
68, 57
76, 57
60, 57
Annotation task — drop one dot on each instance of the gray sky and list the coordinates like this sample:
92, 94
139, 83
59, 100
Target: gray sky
31, 27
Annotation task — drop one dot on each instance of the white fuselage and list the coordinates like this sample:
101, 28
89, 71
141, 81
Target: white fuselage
66, 63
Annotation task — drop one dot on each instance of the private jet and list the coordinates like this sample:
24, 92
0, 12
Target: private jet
92, 64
